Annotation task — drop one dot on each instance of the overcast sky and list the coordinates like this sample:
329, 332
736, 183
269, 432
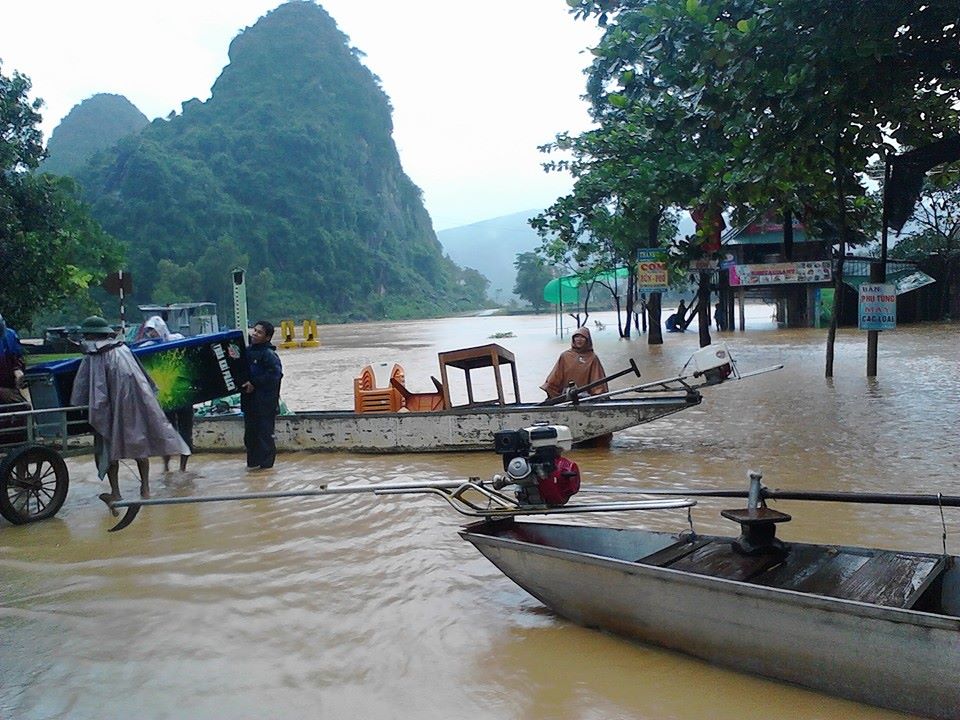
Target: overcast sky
475, 86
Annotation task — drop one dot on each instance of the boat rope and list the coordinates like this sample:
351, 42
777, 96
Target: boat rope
943, 523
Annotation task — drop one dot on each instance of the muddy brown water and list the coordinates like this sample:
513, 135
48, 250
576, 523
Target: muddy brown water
360, 607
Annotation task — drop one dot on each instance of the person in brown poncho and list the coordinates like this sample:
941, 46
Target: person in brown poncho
578, 365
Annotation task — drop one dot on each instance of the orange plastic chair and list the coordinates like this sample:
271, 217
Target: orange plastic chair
367, 398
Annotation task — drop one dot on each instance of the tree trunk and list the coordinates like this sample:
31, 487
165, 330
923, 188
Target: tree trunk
653, 316
726, 300
703, 308
654, 304
795, 295
631, 291
838, 173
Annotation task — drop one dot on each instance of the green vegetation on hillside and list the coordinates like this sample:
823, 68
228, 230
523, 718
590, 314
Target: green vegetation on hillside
95, 124
289, 170
51, 250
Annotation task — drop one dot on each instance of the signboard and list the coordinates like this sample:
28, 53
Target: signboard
877, 309
651, 270
781, 273
704, 263
186, 372
118, 283
912, 281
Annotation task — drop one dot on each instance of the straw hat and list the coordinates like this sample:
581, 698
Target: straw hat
95, 325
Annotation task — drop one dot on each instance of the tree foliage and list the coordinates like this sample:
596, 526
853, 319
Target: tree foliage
51, 250
934, 242
292, 159
767, 105
532, 275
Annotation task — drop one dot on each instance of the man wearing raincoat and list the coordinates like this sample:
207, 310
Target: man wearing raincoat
154, 330
127, 419
578, 365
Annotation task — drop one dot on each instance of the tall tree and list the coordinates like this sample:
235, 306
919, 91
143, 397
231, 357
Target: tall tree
934, 242
532, 275
50, 249
627, 173
799, 93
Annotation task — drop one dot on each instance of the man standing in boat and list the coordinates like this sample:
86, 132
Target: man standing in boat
260, 398
578, 366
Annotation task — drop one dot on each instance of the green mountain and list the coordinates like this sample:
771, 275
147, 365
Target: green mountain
490, 247
289, 170
95, 124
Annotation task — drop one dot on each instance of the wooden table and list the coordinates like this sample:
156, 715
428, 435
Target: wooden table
482, 356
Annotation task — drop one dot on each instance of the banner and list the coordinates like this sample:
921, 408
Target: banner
781, 273
877, 309
186, 372
651, 270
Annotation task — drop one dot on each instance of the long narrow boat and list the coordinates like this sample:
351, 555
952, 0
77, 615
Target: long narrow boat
392, 419
878, 626
455, 429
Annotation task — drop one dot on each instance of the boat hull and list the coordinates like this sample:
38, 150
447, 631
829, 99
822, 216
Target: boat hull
900, 659
456, 430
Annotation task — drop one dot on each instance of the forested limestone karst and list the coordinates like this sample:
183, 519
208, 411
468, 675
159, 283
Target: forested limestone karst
290, 170
95, 124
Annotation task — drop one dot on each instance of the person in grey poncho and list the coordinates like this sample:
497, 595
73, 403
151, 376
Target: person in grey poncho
153, 331
127, 419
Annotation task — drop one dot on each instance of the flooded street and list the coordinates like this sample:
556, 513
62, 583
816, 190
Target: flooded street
349, 606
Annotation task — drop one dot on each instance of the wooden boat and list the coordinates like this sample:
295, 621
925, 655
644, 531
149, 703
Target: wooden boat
878, 626
392, 419
453, 430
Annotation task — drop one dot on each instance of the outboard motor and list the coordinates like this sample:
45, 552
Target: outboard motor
533, 462
713, 363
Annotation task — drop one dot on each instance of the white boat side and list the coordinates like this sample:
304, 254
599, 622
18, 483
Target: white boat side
458, 429
905, 660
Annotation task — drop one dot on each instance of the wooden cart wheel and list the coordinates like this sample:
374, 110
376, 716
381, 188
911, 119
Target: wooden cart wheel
33, 484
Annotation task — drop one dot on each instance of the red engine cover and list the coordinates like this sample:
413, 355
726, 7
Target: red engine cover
562, 484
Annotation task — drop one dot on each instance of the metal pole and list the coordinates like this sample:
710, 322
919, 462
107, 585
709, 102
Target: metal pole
123, 314
240, 301
928, 500
878, 274
741, 298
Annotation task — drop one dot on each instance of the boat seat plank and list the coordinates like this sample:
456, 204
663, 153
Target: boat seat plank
801, 563
882, 578
671, 553
719, 559
892, 579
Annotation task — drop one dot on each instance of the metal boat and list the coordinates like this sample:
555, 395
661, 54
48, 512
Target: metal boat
877, 626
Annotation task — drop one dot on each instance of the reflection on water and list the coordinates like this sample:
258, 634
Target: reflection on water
350, 607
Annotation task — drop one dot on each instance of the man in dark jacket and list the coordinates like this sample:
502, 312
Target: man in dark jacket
11, 366
260, 398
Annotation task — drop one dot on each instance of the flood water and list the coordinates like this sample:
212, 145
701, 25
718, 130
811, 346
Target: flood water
349, 607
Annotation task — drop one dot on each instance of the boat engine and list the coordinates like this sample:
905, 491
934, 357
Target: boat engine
533, 461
